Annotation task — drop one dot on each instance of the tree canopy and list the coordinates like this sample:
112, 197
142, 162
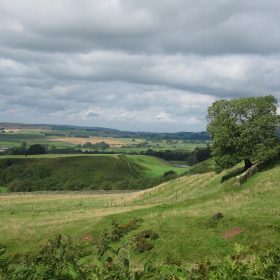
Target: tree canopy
36, 149
243, 129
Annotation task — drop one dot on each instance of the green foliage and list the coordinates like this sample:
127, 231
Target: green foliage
36, 149
119, 230
61, 259
243, 129
82, 173
170, 174
148, 234
142, 245
100, 145
241, 266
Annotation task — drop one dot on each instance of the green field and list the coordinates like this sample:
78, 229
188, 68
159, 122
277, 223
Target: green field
180, 211
80, 172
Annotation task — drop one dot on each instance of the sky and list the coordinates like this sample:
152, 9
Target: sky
138, 65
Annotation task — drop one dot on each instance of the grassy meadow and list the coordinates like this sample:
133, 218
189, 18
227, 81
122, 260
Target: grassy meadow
179, 211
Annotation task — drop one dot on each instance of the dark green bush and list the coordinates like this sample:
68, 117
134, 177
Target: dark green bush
36, 149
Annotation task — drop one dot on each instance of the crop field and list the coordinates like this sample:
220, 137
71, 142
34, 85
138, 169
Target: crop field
180, 211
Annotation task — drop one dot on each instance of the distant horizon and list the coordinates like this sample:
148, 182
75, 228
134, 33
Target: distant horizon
97, 127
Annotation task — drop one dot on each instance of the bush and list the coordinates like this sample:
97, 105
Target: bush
21, 185
148, 234
119, 230
142, 241
36, 149
142, 245
170, 174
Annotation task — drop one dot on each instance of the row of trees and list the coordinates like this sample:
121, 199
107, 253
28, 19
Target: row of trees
35, 149
100, 145
191, 157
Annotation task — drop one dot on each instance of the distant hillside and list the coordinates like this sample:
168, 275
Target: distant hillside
97, 172
109, 132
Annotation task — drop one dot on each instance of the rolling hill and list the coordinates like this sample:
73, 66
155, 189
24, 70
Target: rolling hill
196, 217
81, 172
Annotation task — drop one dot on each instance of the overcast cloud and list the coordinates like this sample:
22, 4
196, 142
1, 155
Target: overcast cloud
134, 65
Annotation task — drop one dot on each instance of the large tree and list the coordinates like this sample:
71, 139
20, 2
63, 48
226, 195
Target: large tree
243, 129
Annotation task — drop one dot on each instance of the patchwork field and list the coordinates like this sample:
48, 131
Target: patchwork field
72, 138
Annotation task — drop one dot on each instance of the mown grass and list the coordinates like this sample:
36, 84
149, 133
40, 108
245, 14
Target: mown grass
180, 211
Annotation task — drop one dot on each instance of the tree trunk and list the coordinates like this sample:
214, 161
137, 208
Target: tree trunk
248, 164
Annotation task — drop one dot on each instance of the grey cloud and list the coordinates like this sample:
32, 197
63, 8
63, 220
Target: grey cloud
92, 115
143, 26
136, 65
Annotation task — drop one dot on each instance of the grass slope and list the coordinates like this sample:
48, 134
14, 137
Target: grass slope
179, 211
154, 167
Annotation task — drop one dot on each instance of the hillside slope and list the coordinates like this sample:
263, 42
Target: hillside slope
180, 211
54, 172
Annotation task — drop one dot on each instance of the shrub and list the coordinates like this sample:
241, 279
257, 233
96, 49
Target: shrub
170, 174
21, 185
142, 245
148, 234
119, 230
36, 149
141, 241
